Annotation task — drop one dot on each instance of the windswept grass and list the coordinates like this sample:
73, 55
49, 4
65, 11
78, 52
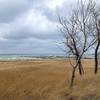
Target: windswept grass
47, 80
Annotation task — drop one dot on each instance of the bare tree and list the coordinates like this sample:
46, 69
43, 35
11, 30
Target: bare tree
72, 39
96, 34
97, 46
77, 31
95, 23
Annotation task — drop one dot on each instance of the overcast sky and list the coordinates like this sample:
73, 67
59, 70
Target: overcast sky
30, 26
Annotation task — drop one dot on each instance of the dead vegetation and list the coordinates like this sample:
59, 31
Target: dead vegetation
47, 80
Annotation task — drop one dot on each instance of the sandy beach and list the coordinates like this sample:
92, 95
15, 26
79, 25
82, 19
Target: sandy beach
47, 80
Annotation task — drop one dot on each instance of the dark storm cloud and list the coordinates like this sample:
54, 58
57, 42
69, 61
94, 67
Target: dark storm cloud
26, 32
51, 15
10, 9
33, 46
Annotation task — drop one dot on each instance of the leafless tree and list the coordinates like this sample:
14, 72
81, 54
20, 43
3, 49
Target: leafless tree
97, 46
77, 30
96, 34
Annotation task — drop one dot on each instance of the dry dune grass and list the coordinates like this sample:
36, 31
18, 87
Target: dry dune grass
47, 80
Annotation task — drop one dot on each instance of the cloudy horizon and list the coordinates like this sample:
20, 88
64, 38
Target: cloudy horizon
30, 26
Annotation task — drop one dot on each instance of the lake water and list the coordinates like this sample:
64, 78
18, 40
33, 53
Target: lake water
33, 57
27, 56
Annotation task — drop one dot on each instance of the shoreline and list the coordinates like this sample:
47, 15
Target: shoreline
40, 59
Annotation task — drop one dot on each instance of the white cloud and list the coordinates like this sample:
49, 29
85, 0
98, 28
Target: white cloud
52, 4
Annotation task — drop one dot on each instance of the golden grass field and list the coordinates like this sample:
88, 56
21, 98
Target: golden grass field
47, 80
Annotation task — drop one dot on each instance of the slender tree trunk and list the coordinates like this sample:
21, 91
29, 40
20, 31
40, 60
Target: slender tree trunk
73, 74
79, 64
81, 71
73, 77
96, 58
74, 69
